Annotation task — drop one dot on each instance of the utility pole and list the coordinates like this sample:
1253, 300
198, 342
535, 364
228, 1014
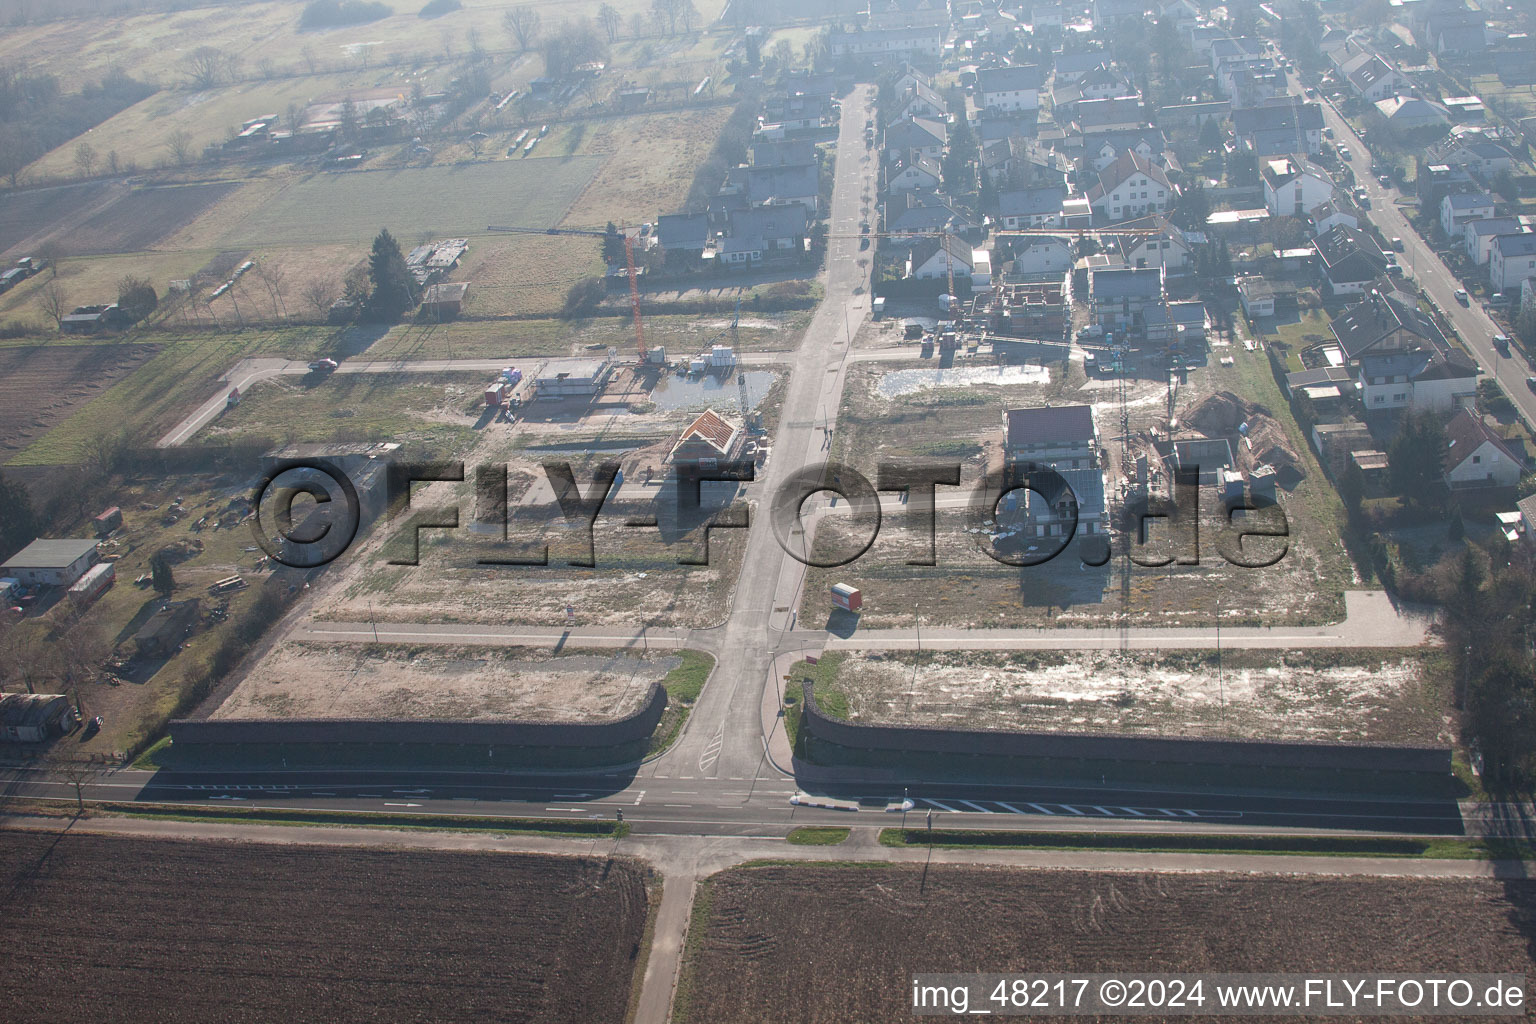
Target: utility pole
1221, 683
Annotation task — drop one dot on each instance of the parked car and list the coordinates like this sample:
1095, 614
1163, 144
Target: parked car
1385, 179
1344, 153
323, 365
1397, 244
1461, 297
1530, 382
1327, 133
1501, 342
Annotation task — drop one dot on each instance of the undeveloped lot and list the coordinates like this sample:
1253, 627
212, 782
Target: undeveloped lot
28, 213
351, 680
653, 158
1343, 696
856, 936
41, 385
445, 201
115, 929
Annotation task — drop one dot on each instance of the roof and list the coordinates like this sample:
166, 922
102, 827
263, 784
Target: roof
1080, 63
1320, 375
1468, 200
711, 428
781, 221
782, 181
1032, 201
1492, 226
924, 249
1466, 433
50, 554
1281, 170
1292, 114
1049, 425
1366, 322
1410, 108
1348, 254
1091, 113
1125, 165
916, 131
1127, 282
31, 710
1010, 78
682, 230
1371, 72
776, 152
447, 291
1516, 245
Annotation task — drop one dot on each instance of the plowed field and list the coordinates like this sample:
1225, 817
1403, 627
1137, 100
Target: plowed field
40, 385
826, 945
102, 928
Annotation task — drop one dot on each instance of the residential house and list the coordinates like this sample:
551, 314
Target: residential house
1130, 187
1069, 67
783, 153
1460, 33
1108, 13
1062, 438
1381, 322
927, 135
1100, 149
1234, 50
780, 229
1410, 113
918, 42
1335, 211
1039, 254
1511, 260
1473, 152
1293, 125
682, 232
921, 100
936, 259
1047, 15
785, 184
913, 213
1015, 87
1121, 114
1372, 78
1026, 162
1252, 83
1478, 235
1422, 380
1031, 208
1350, 261
1122, 295
915, 171
708, 441
1105, 82
1475, 456
1157, 242
1456, 210
1294, 185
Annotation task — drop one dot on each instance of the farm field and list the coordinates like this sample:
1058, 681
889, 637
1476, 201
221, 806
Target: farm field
92, 280
339, 934
142, 218
27, 214
184, 371
443, 201
868, 929
42, 385
1325, 696
440, 410
298, 679
650, 165
261, 32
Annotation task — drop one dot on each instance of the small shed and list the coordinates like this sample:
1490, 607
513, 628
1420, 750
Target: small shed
443, 301
34, 717
167, 628
849, 599
108, 521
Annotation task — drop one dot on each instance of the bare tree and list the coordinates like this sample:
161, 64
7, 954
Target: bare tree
114, 162
321, 293
267, 68
446, 35
610, 19
308, 54
179, 143
522, 24
472, 40
665, 13
78, 774
276, 281
293, 120
54, 302
207, 66
688, 14
85, 159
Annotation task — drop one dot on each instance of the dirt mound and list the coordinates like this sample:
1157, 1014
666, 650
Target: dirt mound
1262, 442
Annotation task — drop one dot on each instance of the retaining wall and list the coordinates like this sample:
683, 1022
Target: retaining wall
220, 731
1122, 747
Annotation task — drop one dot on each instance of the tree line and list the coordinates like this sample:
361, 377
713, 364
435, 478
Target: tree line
37, 115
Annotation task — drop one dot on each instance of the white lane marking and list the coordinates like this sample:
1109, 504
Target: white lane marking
567, 810
638, 797
1042, 809
388, 804
983, 810
1132, 810
938, 803
570, 796
1103, 810
1012, 808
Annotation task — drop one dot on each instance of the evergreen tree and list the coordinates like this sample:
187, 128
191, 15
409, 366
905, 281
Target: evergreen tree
1417, 458
160, 575
988, 193
613, 245
394, 289
18, 521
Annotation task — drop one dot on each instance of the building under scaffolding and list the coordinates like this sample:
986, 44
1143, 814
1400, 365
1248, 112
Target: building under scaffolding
1037, 310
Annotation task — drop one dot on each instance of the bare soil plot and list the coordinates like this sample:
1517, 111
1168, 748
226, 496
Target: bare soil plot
523, 275
328, 207
41, 385
164, 930
1329, 696
312, 679
856, 935
30, 212
143, 218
